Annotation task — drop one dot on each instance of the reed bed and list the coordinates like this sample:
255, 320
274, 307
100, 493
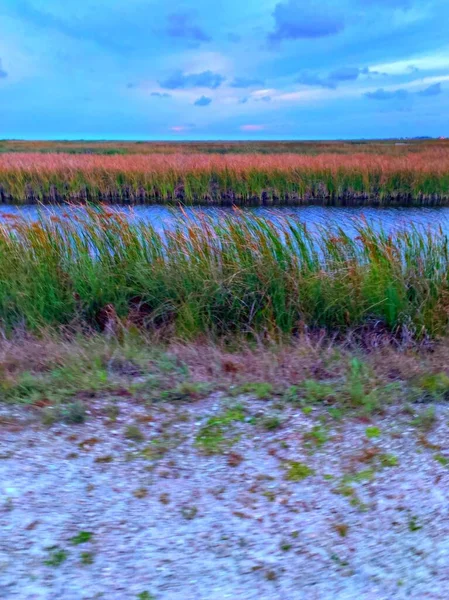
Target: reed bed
241, 275
240, 179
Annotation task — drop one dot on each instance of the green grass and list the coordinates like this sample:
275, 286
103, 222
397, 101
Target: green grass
242, 275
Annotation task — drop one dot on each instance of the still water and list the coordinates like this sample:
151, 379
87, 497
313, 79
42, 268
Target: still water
164, 217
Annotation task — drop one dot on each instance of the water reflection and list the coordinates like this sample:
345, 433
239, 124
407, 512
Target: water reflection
164, 217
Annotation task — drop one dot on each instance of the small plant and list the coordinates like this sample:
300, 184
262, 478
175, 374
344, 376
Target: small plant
443, 460
262, 391
426, 420
81, 538
388, 460
145, 596
297, 471
212, 436
56, 556
372, 432
87, 558
74, 412
132, 432
317, 435
317, 391
435, 385
413, 524
342, 529
270, 423
285, 546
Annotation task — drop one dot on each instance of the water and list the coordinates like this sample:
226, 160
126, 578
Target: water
164, 217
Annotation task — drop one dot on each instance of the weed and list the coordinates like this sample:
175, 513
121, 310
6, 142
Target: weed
426, 420
342, 529
372, 432
443, 460
133, 433
435, 385
297, 471
211, 438
56, 556
81, 538
413, 524
262, 391
318, 435
271, 422
388, 460
87, 558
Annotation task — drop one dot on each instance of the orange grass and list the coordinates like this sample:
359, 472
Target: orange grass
418, 177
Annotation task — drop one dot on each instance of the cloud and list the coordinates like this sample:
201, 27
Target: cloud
432, 90
206, 79
252, 127
245, 82
180, 26
296, 19
3, 73
334, 78
346, 74
203, 101
382, 94
160, 95
402, 94
307, 78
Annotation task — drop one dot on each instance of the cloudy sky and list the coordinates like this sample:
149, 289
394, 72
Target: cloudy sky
224, 69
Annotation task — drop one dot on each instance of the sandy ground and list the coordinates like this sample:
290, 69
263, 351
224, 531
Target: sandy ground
316, 508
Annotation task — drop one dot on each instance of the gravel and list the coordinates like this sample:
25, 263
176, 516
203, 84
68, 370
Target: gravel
170, 521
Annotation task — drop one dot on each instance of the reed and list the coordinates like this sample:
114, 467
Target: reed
239, 275
413, 178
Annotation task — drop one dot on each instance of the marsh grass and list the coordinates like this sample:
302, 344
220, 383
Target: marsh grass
241, 276
328, 177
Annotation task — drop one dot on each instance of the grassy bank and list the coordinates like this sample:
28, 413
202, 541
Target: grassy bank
402, 178
237, 277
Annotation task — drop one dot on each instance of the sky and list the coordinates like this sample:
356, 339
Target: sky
224, 69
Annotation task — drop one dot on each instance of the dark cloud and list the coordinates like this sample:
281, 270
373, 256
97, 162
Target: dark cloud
3, 73
296, 19
346, 74
401, 94
180, 25
382, 94
160, 95
203, 101
432, 90
246, 82
334, 78
307, 78
206, 79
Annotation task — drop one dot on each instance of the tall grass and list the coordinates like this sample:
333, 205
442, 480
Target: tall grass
241, 274
328, 178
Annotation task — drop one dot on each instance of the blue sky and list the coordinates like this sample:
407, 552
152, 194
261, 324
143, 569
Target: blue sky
224, 69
